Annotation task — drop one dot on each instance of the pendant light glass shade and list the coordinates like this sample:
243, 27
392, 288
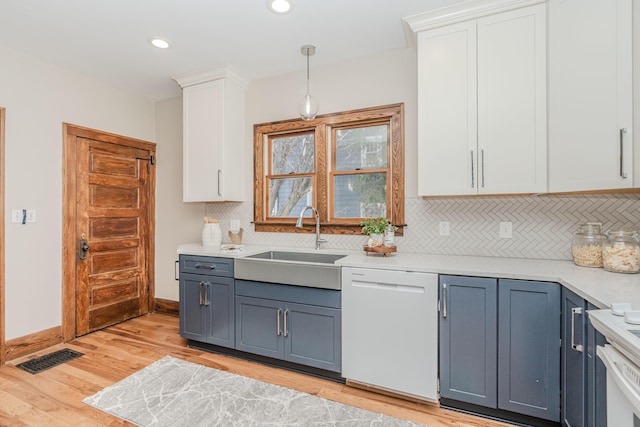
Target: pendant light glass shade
308, 107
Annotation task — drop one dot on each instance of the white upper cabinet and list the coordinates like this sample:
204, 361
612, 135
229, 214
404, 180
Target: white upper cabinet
447, 110
213, 136
590, 95
482, 101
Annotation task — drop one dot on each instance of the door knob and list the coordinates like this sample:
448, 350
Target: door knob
83, 249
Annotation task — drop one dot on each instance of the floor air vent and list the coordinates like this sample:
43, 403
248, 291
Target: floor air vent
47, 361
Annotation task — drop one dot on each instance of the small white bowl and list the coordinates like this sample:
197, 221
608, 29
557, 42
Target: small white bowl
632, 316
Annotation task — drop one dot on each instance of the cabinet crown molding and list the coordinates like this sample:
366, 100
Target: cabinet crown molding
216, 73
467, 10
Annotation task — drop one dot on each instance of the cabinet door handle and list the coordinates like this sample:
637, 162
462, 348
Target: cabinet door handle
285, 323
574, 311
278, 321
444, 300
482, 166
219, 179
205, 266
201, 297
473, 181
623, 174
206, 293
176, 271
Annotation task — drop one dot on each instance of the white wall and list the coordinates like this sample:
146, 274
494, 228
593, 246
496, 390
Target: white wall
176, 222
38, 98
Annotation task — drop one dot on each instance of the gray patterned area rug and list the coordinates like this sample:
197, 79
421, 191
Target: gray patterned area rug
173, 392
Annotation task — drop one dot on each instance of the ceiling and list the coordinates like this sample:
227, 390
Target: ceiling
108, 39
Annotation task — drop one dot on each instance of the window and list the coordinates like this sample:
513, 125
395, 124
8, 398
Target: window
348, 165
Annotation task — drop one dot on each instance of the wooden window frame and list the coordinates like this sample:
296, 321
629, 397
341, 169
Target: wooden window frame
270, 175
333, 172
323, 126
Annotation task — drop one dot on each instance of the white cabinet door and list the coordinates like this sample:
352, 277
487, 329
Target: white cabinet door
213, 143
447, 110
512, 123
590, 95
482, 105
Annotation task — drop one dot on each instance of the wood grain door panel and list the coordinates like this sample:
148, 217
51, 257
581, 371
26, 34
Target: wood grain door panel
112, 205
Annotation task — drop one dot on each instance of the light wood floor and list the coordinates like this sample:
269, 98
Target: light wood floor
53, 397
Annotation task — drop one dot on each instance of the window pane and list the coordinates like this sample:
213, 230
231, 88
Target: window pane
288, 196
361, 148
360, 196
292, 154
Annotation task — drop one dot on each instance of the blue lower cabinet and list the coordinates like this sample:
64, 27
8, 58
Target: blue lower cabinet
313, 336
500, 344
529, 348
290, 323
584, 394
206, 309
468, 339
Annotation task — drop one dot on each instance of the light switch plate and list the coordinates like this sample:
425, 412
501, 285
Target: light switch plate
16, 216
31, 215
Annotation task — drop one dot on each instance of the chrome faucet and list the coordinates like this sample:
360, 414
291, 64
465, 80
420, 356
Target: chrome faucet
299, 224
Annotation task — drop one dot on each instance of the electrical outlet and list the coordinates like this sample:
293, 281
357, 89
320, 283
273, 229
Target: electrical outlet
444, 228
234, 225
16, 216
506, 229
31, 215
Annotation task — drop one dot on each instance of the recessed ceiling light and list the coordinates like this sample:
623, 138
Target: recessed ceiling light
281, 7
160, 43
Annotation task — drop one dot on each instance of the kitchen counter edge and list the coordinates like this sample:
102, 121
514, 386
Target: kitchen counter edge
600, 287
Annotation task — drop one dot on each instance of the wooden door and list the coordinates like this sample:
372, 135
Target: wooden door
109, 184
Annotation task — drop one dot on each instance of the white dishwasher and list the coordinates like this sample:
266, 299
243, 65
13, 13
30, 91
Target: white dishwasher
390, 330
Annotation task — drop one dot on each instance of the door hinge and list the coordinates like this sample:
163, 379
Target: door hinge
152, 161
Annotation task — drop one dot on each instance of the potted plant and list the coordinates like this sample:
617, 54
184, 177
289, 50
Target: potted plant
375, 228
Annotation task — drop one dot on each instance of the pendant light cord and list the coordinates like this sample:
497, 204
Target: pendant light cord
307, 71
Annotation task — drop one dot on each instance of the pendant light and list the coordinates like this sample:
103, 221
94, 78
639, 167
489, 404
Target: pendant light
308, 107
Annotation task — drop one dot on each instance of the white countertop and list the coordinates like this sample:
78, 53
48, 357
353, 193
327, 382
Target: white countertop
596, 285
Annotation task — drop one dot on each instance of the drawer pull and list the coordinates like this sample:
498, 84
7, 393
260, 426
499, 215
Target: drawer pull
205, 266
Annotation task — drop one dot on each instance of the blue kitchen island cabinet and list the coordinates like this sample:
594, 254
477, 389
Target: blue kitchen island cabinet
292, 323
500, 346
206, 291
583, 373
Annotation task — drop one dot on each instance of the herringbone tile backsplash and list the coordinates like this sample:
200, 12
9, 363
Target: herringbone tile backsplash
543, 226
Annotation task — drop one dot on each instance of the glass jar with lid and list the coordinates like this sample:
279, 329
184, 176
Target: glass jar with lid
586, 247
621, 252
